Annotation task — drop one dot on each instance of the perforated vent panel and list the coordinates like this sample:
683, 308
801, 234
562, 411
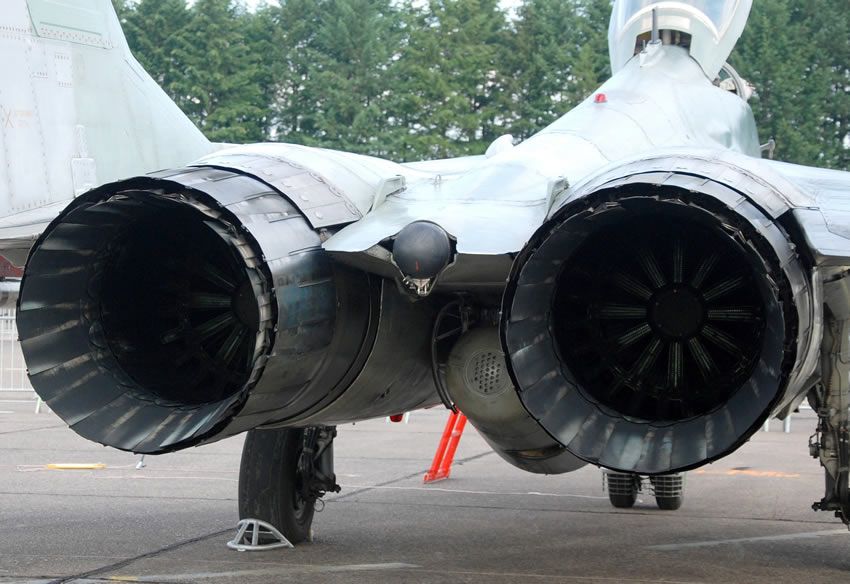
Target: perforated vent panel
486, 374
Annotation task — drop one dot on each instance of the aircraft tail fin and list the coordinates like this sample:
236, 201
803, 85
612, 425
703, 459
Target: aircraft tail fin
76, 108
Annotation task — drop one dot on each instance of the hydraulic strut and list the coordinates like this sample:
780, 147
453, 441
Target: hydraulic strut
316, 463
831, 443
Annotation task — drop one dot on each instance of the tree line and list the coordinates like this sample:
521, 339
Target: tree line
410, 80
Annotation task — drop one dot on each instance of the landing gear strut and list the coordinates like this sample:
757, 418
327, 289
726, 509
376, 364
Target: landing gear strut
623, 488
831, 400
282, 475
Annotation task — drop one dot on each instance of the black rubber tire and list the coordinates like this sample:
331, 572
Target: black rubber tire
618, 483
623, 501
268, 482
669, 484
669, 503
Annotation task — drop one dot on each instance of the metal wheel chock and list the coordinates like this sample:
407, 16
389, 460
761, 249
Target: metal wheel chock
251, 532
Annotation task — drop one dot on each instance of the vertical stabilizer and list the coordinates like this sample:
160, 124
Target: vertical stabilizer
76, 108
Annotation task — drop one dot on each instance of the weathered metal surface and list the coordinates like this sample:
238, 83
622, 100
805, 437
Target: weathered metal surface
240, 319
597, 402
63, 128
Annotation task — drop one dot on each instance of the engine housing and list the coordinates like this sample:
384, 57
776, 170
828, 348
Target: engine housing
478, 382
190, 305
657, 319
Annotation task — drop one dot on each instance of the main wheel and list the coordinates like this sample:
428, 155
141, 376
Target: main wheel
669, 491
623, 501
669, 503
270, 484
622, 489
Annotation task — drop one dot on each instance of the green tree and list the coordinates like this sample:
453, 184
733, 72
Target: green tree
123, 8
346, 77
829, 76
264, 34
289, 31
591, 65
154, 29
412, 80
449, 80
559, 56
220, 83
797, 54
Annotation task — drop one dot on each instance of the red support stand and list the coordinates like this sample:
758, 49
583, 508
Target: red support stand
441, 467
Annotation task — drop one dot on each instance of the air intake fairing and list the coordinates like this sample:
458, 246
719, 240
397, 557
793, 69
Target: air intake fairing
651, 326
164, 311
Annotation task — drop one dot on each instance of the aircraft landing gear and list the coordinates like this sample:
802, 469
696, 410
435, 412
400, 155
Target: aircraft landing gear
669, 490
623, 488
282, 474
831, 400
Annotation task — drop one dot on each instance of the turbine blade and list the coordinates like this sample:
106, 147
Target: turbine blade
631, 285
214, 275
620, 311
723, 287
633, 335
733, 314
704, 361
704, 269
721, 339
228, 349
650, 266
204, 300
617, 385
171, 335
674, 365
678, 261
214, 325
648, 358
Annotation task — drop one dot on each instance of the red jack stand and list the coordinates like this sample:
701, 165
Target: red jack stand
441, 467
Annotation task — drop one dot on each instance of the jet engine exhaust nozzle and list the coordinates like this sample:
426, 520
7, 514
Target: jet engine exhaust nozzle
652, 328
166, 311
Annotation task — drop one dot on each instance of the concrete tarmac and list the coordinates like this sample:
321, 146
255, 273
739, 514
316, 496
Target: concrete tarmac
745, 519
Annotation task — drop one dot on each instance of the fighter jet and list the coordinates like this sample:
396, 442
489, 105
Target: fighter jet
633, 287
